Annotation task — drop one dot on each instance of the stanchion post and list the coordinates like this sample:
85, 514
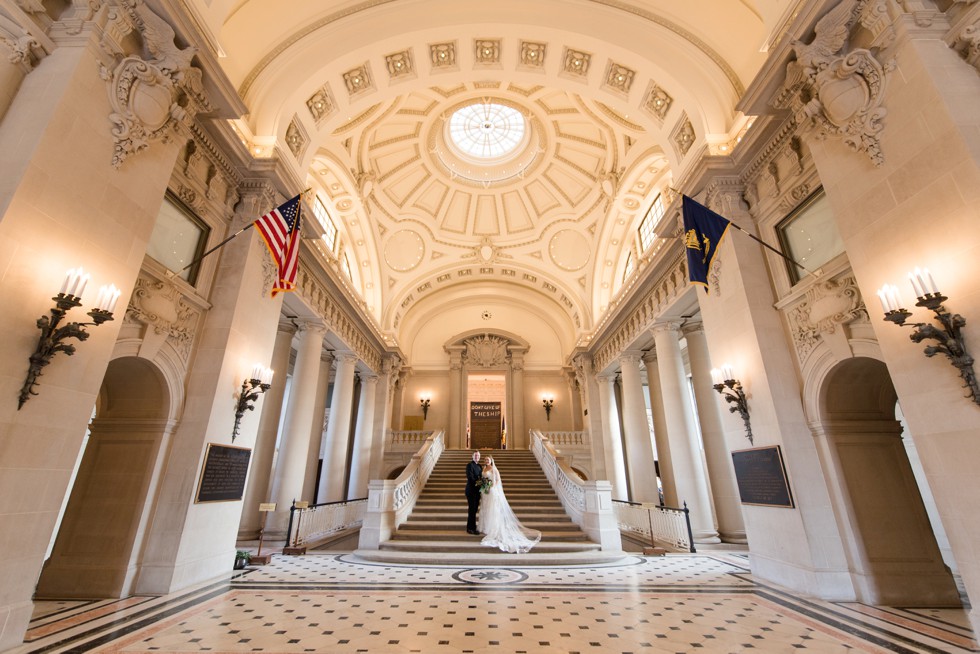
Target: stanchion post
258, 558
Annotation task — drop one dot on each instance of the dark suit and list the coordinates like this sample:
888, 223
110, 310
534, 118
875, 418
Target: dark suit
473, 474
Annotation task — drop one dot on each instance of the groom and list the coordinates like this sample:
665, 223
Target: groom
473, 474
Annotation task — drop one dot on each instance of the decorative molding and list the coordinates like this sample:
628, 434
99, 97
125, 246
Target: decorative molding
967, 44
151, 98
21, 47
826, 305
837, 92
671, 284
322, 301
485, 351
163, 307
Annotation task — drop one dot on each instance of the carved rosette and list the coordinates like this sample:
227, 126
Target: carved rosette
827, 305
152, 95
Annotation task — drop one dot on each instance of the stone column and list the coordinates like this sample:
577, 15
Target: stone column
660, 430
456, 429
317, 428
685, 455
265, 440
386, 394
639, 445
516, 432
294, 444
612, 438
363, 439
724, 490
332, 470
594, 416
574, 397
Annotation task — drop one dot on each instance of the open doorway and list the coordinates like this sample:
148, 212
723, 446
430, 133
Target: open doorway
97, 549
486, 408
892, 553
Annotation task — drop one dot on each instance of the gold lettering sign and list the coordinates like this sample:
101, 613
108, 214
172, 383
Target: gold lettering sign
302, 505
267, 506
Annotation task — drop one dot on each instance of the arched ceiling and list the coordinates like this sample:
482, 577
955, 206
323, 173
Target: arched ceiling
619, 97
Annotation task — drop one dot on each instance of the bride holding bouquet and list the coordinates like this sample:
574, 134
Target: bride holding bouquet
500, 526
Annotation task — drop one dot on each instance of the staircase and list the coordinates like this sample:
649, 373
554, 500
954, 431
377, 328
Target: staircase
435, 532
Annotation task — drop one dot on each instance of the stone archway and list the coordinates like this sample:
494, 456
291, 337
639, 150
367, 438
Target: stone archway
98, 547
487, 351
891, 550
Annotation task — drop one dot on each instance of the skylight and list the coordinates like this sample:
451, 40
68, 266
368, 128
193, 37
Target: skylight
486, 131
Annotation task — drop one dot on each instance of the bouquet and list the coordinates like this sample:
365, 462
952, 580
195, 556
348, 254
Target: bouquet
484, 484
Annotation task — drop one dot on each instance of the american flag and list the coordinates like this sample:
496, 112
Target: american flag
280, 231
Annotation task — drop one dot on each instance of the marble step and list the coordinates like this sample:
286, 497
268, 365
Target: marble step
458, 545
548, 526
460, 535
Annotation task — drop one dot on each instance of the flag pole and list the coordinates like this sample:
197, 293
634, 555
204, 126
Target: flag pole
755, 238
224, 242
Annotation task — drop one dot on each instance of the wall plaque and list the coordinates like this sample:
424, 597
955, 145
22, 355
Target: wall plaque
761, 477
223, 475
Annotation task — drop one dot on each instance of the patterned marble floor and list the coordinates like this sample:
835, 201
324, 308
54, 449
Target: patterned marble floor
336, 603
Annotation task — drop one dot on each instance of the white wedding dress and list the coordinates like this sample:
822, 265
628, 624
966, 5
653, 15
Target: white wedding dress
497, 521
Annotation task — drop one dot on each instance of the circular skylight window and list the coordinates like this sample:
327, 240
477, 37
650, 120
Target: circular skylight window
487, 131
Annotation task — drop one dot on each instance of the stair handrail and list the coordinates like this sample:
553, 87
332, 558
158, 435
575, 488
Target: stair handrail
587, 503
391, 501
319, 521
667, 525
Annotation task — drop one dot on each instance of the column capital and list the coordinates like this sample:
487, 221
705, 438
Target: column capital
606, 379
344, 357
630, 358
693, 328
326, 357
369, 379
649, 357
313, 328
287, 327
666, 327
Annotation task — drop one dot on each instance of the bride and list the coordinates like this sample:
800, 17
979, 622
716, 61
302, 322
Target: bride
500, 526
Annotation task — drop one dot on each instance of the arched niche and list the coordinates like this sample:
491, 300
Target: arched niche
98, 548
892, 553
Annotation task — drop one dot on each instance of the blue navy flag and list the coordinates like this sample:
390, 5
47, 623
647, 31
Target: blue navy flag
703, 231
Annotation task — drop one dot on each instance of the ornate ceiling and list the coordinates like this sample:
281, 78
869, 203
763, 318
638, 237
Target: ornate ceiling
618, 98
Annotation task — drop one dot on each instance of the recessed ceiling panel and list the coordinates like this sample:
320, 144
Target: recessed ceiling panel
541, 197
402, 186
486, 219
404, 250
571, 186
389, 162
569, 250
516, 214
457, 213
432, 197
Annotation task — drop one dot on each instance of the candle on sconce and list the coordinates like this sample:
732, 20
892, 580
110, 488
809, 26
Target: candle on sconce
727, 372
112, 297
256, 372
917, 286
716, 378
883, 298
890, 299
267, 376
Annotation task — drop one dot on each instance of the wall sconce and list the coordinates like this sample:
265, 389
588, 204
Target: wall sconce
425, 401
949, 340
731, 389
548, 401
252, 387
53, 337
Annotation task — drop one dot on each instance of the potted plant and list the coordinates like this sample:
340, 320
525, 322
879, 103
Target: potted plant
242, 557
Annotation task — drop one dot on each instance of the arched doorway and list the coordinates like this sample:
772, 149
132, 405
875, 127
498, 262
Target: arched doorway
892, 552
97, 550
